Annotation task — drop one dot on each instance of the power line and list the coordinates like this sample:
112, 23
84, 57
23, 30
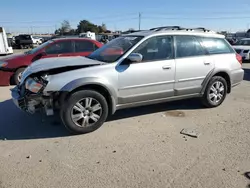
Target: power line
196, 18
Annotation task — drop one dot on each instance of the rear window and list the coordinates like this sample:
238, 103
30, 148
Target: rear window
216, 46
25, 37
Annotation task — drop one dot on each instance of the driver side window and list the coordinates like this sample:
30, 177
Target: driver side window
156, 49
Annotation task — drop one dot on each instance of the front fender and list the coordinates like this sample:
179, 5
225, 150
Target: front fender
93, 81
89, 81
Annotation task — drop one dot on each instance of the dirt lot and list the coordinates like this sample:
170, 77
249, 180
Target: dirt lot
139, 147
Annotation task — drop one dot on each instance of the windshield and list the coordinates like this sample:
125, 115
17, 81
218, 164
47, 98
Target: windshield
114, 49
243, 42
35, 50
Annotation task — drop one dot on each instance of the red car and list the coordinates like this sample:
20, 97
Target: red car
12, 66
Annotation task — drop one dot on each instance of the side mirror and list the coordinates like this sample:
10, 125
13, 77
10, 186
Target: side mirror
135, 57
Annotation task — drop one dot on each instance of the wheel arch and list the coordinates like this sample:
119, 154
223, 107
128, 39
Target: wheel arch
107, 91
223, 74
11, 80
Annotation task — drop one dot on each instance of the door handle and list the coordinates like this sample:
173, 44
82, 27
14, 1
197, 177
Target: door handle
166, 67
207, 63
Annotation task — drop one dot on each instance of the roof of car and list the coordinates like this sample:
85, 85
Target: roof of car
183, 31
72, 38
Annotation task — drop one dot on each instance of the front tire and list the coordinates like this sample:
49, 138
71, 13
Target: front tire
215, 92
18, 75
84, 112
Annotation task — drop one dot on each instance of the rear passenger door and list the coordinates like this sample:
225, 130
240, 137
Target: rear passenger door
84, 47
192, 65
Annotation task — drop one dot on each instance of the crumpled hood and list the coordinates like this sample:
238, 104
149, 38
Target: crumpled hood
241, 47
57, 62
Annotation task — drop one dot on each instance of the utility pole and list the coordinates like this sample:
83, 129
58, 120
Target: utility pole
31, 29
139, 21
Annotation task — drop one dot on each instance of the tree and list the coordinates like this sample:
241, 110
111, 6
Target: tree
104, 27
85, 25
65, 29
65, 26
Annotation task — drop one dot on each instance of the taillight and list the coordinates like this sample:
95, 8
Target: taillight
239, 58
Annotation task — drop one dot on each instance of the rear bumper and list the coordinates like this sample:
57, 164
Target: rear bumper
236, 77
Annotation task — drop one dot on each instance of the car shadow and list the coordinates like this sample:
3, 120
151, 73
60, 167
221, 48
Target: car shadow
247, 74
190, 104
18, 125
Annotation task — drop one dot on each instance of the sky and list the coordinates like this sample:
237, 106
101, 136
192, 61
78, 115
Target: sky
47, 15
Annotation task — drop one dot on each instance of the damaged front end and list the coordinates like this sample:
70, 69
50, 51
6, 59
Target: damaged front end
29, 95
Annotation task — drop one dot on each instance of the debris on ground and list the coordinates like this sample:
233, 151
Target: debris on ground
190, 132
28, 157
114, 151
40, 161
175, 113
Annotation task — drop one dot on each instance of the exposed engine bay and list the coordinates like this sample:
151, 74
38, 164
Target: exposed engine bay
32, 97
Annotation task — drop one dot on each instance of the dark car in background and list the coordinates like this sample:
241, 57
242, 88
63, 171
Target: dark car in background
12, 66
23, 41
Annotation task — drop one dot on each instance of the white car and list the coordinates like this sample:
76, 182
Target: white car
242, 47
37, 40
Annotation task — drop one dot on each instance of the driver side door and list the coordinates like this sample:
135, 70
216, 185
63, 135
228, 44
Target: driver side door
151, 79
59, 49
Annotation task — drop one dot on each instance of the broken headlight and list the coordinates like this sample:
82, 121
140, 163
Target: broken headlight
33, 85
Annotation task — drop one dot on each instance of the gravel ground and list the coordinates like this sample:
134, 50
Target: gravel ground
139, 147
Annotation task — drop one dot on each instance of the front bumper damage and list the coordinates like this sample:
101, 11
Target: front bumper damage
30, 102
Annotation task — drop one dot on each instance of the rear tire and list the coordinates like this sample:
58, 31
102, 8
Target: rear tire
17, 75
84, 112
215, 92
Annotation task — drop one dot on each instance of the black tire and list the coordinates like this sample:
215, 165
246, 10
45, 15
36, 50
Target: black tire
16, 77
206, 100
68, 107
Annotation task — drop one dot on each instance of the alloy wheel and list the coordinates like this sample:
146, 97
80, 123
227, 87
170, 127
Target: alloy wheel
216, 92
86, 112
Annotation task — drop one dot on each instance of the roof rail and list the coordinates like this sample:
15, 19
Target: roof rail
180, 28
200, 28
165, 28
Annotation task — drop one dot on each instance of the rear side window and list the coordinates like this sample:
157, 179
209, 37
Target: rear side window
188, 46
84, 46
25, 37
216, 46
